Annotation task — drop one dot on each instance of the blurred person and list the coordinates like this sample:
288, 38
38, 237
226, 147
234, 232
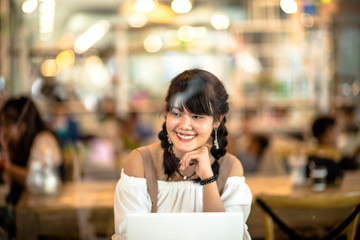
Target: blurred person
346, 119
106, 108
349, 137
192, 172
326, 151
25, 140
63, 123
251, 155
135, 132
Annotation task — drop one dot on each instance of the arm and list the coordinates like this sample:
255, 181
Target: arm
17, 173
211, 191
236, 195
131, 192
211, 198
201, 157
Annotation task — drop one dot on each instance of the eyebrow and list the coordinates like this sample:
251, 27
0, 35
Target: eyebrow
177, 108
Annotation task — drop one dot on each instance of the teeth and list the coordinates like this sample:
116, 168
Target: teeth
185, 137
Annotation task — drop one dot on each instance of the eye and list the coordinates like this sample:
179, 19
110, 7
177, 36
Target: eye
197, 117
175, 113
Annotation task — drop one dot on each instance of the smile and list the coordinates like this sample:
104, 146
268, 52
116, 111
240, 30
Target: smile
185, 137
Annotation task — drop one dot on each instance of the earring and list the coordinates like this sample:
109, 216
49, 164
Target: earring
169, 140
216, 144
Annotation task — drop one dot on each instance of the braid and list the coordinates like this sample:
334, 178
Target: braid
222, 141
169, 165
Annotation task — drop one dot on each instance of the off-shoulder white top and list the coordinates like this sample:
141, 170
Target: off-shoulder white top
131, 196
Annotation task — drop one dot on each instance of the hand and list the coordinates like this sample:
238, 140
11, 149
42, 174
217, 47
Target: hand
201, 158
4, 165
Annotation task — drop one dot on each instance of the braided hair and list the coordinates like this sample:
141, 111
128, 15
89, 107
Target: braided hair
200, 92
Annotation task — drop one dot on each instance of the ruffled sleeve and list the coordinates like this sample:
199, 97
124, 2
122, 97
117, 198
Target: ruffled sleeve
237, 197
131, 196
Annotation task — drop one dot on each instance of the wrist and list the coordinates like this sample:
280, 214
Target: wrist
208, 180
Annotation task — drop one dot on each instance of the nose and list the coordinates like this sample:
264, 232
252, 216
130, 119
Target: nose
185, 122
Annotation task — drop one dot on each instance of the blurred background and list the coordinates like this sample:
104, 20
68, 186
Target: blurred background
282, 62
99, 70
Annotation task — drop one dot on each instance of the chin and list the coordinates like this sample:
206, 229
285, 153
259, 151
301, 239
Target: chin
186, 147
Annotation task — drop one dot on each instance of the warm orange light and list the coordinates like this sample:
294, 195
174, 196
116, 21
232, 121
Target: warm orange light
65, 59
161, 14
48, 68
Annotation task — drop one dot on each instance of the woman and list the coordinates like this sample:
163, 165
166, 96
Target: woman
189, 158
24, 139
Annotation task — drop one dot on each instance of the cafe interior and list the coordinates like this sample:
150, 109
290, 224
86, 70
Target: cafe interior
98, 71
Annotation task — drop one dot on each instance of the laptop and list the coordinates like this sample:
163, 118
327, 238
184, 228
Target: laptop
185, 226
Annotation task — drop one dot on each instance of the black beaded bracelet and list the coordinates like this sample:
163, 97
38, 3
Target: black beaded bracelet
208, 180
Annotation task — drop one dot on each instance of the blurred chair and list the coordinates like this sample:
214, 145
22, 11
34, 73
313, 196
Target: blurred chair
271, 204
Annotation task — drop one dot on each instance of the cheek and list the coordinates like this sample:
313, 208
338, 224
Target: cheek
204, 128
171, 123
13, 133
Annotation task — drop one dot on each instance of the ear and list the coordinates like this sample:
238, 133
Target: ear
218, 122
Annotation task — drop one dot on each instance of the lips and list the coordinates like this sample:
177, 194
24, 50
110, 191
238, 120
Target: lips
185, 137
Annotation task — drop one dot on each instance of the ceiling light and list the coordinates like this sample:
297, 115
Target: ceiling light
91, 36
49, 68
29, 6
137, 20
289, 6
46, 19
153, 44
65, 59
186, 33
144, 6
220, 21
181, 6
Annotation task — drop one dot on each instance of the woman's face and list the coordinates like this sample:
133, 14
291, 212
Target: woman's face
9, 131
188, 131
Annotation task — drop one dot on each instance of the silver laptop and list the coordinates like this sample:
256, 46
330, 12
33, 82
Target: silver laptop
185, 226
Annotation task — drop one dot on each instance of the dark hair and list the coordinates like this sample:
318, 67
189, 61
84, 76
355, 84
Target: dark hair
18, 111
263, 142
199, 92
321, 124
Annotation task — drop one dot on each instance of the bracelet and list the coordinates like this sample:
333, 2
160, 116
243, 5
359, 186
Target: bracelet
208, 180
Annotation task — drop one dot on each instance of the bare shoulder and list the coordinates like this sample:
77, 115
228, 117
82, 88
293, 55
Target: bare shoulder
45, 136
134, 165
237, 169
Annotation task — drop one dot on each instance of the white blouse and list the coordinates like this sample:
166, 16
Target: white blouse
131, 196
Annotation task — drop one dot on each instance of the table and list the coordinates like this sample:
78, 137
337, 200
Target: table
85, 209
81, 210
281, 185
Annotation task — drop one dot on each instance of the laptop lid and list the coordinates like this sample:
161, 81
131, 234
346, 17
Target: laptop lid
189, 226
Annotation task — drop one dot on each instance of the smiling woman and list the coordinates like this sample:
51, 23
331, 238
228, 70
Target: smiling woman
189, 170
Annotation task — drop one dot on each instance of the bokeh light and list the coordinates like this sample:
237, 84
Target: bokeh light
49, 68
153, 44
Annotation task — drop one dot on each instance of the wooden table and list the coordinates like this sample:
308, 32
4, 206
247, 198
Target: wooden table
281, 185
81, 210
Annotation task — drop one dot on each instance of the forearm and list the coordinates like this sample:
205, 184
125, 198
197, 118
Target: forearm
211, 198
17, 173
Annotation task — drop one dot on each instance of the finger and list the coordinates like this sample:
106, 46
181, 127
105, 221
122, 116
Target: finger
186, 160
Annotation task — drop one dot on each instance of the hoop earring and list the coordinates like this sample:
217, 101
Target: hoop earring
216, 143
